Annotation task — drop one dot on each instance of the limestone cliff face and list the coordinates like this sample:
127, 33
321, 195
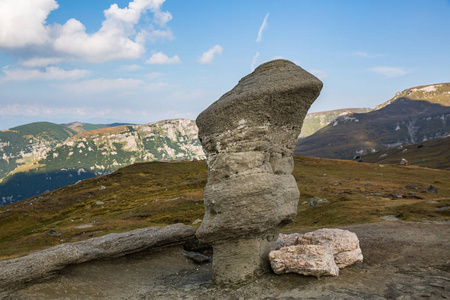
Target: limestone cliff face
108, 149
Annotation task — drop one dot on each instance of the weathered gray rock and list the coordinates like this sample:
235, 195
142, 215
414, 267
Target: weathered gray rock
248, 136
315, 260
14, 272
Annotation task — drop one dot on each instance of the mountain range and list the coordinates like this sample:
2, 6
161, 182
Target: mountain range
40, 157
413, 115
55, 155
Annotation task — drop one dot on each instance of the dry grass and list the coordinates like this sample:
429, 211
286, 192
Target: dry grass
157, 194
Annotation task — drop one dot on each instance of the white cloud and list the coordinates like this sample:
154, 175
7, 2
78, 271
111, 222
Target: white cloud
131, 68
36, 62
50, 73
160, 58
22, 25
153, 75
390, 71
319, 73
100, 85
208, 56
277, 57
255, 63
262, 28
367, 55
39, 110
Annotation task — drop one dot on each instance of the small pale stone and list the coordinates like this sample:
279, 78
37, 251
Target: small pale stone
343, 243
312, 260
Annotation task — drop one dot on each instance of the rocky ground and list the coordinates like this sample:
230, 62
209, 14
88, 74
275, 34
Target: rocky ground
401, 261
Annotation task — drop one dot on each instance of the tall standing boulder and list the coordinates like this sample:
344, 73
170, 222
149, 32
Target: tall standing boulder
249, 136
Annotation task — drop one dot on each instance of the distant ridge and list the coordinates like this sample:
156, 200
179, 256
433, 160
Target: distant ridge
315, 121
401, 120
80, 127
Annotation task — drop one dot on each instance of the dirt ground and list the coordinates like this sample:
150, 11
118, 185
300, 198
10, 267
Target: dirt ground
401, 261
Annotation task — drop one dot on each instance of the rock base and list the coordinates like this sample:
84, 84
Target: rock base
242, 260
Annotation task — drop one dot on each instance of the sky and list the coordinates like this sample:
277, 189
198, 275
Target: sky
142, 61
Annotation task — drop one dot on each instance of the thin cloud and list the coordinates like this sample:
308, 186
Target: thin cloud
367, 55
40, 110
208, 56
390, 72
50, 73
262, 28
255, 60
160, 58
131, 68
37, 62
101, 85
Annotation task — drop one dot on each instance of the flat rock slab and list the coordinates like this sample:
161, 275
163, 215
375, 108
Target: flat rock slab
38, 265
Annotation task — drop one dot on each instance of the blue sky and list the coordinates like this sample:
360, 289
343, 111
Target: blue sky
147, 60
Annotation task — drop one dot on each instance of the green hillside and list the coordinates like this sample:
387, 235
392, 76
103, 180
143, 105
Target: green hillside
315, 121
24, 144
160, 193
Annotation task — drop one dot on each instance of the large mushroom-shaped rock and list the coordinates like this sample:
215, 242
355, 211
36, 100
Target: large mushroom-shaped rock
248, 136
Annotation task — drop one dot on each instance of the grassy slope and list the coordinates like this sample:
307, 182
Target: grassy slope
434, 153
19, 141
315, 121
157, 193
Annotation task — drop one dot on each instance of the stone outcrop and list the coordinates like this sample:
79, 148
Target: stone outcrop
317, 253
17, 271
248, 136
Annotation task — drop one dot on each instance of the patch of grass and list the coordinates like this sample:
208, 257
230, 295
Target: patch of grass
162, 193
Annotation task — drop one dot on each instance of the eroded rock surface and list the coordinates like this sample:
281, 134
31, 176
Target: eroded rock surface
14, 272
312, 260
307, 253
249, 136
343, 243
